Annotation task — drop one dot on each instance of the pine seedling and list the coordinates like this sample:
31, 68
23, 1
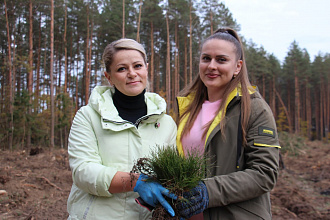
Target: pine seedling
178, 173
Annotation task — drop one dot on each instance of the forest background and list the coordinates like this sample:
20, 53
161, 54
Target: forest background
51, 59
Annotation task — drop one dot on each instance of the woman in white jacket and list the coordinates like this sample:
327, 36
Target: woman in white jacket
120, 124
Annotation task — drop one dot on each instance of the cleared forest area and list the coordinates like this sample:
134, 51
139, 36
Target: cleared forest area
37, 186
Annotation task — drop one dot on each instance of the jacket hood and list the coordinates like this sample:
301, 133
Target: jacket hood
101, 101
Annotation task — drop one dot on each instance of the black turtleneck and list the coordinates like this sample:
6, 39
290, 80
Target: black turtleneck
130, 108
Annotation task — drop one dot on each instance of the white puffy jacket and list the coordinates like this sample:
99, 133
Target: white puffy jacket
102, 143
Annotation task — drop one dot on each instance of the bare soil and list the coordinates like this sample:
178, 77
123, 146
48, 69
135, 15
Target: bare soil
34, 187
303, 187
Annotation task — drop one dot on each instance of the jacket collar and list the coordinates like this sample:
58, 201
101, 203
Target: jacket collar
183, 103
101, 101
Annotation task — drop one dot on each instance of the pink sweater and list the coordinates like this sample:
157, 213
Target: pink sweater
194, 140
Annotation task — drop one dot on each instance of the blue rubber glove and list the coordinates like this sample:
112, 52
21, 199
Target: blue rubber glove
152, 193
198, 201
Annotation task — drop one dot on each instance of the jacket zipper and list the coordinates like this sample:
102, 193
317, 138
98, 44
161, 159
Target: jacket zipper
136, 124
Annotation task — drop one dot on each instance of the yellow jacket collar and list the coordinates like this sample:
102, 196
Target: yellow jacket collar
183, 103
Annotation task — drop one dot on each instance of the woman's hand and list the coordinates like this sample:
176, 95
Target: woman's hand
152, 193
196, 201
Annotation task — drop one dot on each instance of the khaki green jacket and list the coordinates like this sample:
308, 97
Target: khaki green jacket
239, 186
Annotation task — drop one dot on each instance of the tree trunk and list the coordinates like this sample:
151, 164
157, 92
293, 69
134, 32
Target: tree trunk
317, 98
77, 77
11, 104
152, 66
87, 78
123, 31
211, 21
65, 52
52, 127
157, 75
285, 110
322, 109
59, 67
44, 87
263, 86
168, 66
37, 89
30, 74
96, 65
185, 60
14, 71
303, 107
273, 103
77, 87
176, 62
327, 111
20, 52
325, 115
12, 100
139, 21
71, 64
297, 102
289, 106
90, 46
308, 112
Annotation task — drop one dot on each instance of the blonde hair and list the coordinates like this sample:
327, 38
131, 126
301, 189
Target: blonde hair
199, 90
121, 44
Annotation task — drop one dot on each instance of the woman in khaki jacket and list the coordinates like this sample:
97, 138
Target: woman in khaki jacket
225, 119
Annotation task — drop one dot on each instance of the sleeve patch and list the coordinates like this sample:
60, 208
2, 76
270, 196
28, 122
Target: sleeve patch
265, 131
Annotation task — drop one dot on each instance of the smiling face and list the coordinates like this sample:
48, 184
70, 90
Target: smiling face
128, 72
218, 64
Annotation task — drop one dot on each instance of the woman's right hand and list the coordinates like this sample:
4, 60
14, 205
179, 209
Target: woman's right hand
152, 193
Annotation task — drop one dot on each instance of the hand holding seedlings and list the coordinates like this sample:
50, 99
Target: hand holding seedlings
196, 201
152, 193
178, 173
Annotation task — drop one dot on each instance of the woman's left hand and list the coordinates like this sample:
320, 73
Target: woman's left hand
197, 201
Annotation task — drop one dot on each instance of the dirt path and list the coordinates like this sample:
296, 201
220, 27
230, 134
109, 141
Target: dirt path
37, 187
